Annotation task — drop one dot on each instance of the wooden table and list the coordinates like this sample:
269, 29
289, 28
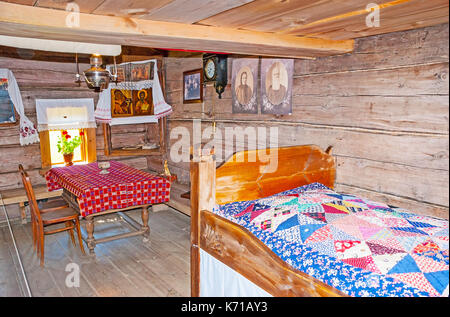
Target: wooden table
141, 229
94, 194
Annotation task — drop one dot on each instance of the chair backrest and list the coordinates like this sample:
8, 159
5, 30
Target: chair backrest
34, 208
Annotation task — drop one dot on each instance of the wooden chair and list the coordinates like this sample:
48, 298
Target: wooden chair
53, 214
54, 203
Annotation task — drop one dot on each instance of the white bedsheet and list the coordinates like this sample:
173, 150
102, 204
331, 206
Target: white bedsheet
219, 280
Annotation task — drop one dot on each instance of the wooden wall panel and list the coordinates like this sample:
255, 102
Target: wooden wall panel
403, 81
423, 46
384, 108
367, 112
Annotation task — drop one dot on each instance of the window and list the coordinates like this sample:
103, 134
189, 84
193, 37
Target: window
79, 153
72, 115
85, 153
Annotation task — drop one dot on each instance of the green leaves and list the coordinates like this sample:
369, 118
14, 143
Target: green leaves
66, 144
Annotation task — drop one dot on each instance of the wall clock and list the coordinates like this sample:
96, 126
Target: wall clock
210, 69
215, 70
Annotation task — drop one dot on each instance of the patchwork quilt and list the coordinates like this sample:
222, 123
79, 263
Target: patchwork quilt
361, 247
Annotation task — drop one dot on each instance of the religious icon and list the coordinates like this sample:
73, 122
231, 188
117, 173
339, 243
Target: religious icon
121, 77
244, 85
141, 71
121, 103
143, 102
276, 86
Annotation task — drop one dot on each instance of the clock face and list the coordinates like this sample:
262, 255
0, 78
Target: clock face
210, 69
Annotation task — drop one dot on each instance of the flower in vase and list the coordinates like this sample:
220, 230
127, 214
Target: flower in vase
67, 146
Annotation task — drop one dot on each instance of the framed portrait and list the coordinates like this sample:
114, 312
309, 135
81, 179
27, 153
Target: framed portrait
142, 102
193, 86
142, 71
121, 103
244, 85
276, 86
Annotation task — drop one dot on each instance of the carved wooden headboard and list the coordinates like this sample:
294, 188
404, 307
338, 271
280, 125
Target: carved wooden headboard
249, 175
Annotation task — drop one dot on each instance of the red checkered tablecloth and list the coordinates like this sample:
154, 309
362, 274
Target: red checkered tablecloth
122, 187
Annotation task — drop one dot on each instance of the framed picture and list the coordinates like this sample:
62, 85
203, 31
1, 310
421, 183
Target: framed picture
142, 71
7, 111
121, 103
193, 86
3, 84
244, 85
142, 102
276, 86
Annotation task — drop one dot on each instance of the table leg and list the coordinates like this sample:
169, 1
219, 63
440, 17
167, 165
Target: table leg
145, 228
90, 241
23, 212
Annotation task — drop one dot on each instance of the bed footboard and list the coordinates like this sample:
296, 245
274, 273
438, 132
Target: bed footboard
236, 247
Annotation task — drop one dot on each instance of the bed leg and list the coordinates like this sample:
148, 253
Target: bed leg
195, 255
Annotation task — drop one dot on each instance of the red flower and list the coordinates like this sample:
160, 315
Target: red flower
81, 133
68, 136
64, 132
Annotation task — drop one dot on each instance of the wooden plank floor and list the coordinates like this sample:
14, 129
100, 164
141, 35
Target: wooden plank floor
126, 267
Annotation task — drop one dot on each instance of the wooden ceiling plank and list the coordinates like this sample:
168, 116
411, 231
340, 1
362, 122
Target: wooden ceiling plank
257, 11
410, 12
129, 8
86, 6
329, 19
357, 10
191, 11
434, 17
42, 23
24, 2
305, 15
279, 17
392, 18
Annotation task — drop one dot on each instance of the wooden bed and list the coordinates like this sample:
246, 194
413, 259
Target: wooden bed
248, 175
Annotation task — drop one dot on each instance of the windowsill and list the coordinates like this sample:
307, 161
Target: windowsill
74, 163
42, 171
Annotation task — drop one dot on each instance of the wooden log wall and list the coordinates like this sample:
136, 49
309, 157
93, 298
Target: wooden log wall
53, 80
384, 108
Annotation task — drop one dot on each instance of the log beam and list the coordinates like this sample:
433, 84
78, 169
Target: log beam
35, 22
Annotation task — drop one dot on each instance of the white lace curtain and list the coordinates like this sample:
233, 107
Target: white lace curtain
64, 114
28, 132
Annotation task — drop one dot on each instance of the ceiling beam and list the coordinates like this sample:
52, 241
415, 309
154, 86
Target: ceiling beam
35, 22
